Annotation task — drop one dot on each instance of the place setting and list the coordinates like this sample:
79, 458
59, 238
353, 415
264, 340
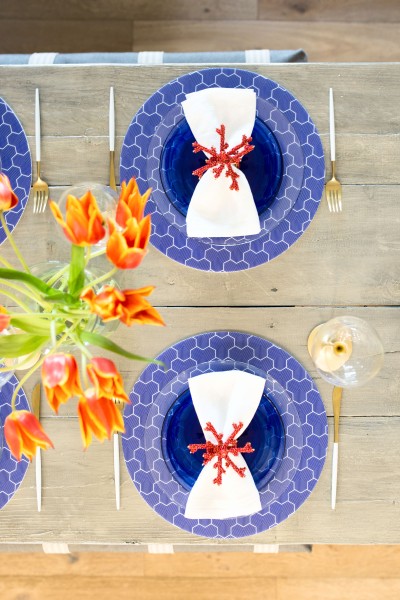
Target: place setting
235, 164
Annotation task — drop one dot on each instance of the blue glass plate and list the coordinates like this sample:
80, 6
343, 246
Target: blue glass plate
182, 427
263, 167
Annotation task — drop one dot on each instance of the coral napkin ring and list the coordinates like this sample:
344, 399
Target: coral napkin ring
217, 161
222, 450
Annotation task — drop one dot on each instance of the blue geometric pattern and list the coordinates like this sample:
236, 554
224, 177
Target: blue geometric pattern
295, 131
294, 395
15, 162
12, 472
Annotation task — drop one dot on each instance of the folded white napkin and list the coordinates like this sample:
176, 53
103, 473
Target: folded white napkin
215, 210
224, 399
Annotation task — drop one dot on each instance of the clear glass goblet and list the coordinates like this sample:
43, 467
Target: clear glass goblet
347, 351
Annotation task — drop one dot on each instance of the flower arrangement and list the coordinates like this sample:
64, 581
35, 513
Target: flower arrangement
60, 311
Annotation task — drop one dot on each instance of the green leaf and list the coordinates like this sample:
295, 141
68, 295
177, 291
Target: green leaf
31, 280
35, 325
49, 293
19, 344
99, 340
76, 279
61, 298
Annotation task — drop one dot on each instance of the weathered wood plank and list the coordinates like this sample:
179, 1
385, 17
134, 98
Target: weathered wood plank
286, 327
79, 503
63, 35
357, 11
361, 159
74, 99
353, 251
340, 42
156, 10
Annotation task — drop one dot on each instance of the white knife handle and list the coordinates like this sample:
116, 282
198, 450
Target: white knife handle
117, 472
37, 125
335, 457
332, 125
38, 471
111, 121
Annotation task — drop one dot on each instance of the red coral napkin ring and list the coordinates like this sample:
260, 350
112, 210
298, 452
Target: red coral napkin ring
222, 450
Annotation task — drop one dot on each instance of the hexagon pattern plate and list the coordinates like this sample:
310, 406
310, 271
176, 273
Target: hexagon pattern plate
15, 162
12, 472
139, 158
141, 441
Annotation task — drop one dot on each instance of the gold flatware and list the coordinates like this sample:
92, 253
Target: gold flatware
111, 136
333, 187
117, 471
336, 402
40, 187
36, 398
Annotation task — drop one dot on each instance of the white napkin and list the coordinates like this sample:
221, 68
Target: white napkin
224, 398
215, 210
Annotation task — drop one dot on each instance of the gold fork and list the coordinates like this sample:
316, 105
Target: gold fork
117, 472
333, 187
40, 187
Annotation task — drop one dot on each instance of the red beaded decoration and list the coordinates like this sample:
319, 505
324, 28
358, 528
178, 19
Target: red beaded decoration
222, 450
224, 158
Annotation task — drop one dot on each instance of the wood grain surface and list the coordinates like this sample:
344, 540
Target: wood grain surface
344, 263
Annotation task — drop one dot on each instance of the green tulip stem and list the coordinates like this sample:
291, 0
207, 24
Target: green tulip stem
28, 294
100, 279
12, 242
21, 304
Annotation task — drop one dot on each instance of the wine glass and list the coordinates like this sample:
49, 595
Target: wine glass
346, 351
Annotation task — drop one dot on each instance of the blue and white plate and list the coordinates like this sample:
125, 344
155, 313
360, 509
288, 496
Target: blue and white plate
286, 133
12, 472
162, 479
15, 162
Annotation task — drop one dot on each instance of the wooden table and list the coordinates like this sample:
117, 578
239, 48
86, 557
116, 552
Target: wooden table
343, 264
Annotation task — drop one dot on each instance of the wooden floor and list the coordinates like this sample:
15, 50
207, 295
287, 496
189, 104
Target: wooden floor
339, 30
328, 573
329, 30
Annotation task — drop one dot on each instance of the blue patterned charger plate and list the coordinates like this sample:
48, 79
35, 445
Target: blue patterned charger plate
283, 220
12, 472
15, 162
288, 386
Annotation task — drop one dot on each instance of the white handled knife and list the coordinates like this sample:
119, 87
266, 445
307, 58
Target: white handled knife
117, 474
111, 136
36, 397
336, 401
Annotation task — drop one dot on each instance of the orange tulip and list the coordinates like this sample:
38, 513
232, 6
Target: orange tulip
106, 379
84, 223
24, 434
98, 416
8, 199
5, 319
127, 305
60, 378
126, 249
131, 203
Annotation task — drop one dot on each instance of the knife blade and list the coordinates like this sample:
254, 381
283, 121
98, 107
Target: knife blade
336, 402
36, 398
